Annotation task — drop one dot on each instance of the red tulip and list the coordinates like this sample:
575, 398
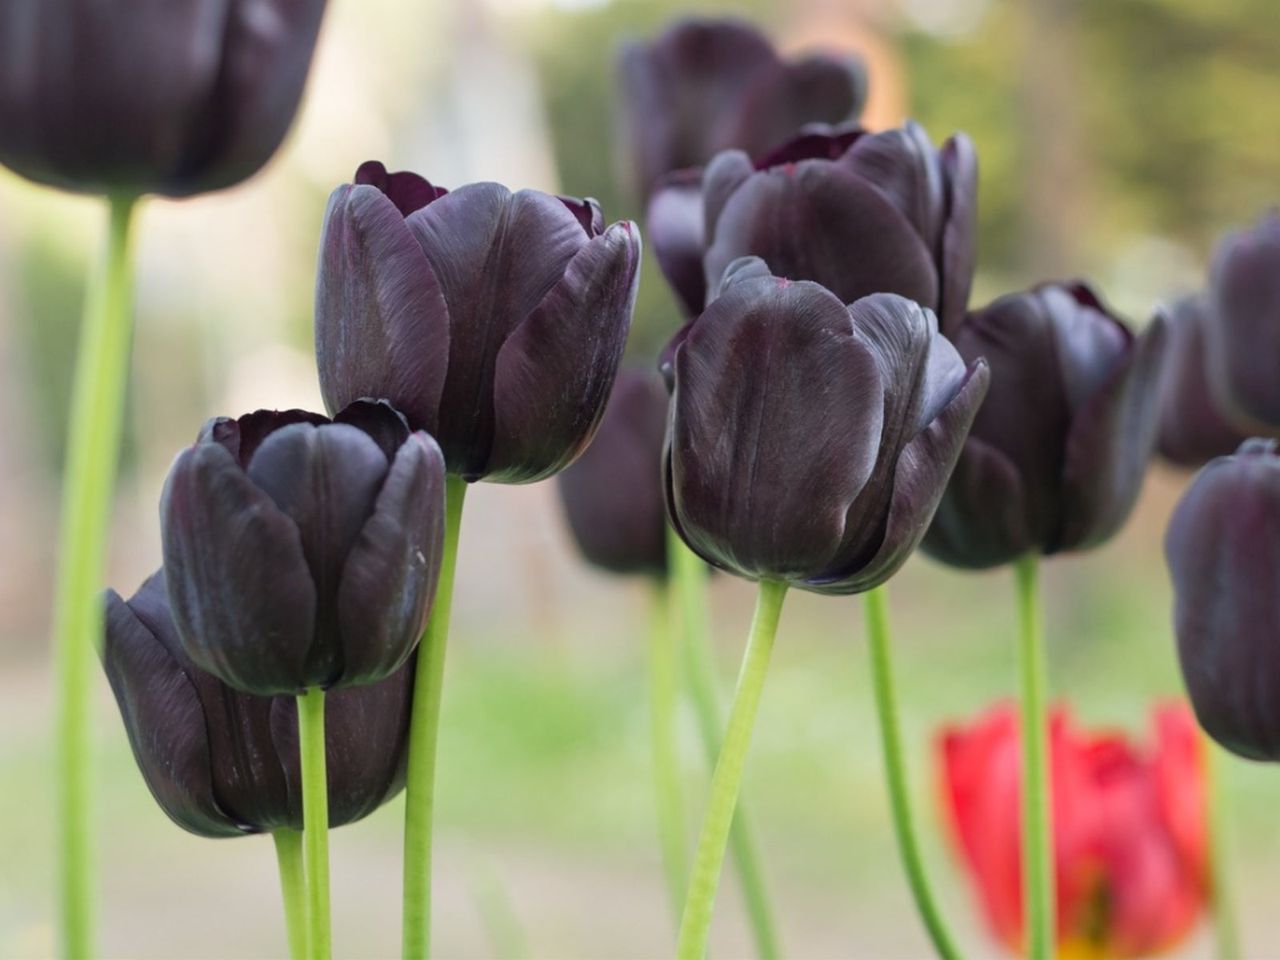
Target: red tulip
1129, 829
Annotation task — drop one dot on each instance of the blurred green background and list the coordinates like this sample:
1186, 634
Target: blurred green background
1116, 141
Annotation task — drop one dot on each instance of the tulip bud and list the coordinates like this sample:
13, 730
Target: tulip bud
1058, 452
303, 553
153, 96
810, 441
1223, 551
223, 763
708, 85
494, 320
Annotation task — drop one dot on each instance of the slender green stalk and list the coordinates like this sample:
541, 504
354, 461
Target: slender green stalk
690, 575
662, 729
315, 821
895, 774
704, 879
1225, 932
424, 729
1037, 817
92, 454
293, 889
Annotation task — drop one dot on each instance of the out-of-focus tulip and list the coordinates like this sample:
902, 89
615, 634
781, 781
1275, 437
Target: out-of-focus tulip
1058, 452
707, 85
858, 212
1129, 830
494, 320
810, 441
1244, 340
301, 552
152, 96
222, 763
612, 495
1223, 550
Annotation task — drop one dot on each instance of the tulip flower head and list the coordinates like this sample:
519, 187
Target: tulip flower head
301, 552
494, 320
810, 440
175, 97
1129, 830
223, 763
1058, 452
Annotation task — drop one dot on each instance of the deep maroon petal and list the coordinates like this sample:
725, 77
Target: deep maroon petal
407, 190
723, 175
383, 423
903, 164
982, 519
783, 97
959, 230
815, 141
674, 228
588, 213
241, 436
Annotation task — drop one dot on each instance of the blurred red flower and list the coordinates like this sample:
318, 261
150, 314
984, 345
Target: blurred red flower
1129, 828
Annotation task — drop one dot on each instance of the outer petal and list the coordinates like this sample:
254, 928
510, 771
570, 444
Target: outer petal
959, 230
554, 373
241, 593
981, 519
407, 190
241, 436
674, 226
902, 163
726, 173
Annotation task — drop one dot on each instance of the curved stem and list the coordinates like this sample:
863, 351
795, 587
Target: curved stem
895, 774
89, 473
690, 575
315, 821
1226, 933
424, 729
1037, 856
662, 728
704, 880
293, 890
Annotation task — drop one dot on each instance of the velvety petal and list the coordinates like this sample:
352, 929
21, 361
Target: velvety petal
554, 373
902, 163
241, 436
726, 173
239, 586
407, 190
673, 224
1091, 341
381, 321
744, 268
814, 141
981, 520
959, 230
382, 422
588, 213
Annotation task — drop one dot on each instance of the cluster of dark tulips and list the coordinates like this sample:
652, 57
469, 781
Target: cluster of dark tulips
830, 404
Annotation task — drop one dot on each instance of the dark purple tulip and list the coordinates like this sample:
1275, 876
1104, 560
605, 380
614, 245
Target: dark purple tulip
1243, 342
152, 96
222, 763
494, 320
1223, 550
857, 212
707, 85
1058, 452
613, 494
1193, 427
810, 441
303, 553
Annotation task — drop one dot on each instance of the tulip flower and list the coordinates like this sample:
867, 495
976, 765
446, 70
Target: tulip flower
158, 96
706, 85
859, 213
494, 320
222, 763
1129, 830
301, 552
1058, 452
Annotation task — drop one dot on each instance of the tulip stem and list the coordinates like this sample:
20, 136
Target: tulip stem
293, 889
690, 575
895, 773
1037, 859
662, 728
424, 728
1226, 933
92, 454
704, 879
315, 821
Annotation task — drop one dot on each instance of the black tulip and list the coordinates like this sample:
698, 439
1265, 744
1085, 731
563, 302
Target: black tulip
494, 320
151, 96
809, 440
302, 552
1223, 551
223, 763
1058, 452
612, 495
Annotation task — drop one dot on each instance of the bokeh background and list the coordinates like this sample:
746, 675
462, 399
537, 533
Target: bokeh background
1116, 140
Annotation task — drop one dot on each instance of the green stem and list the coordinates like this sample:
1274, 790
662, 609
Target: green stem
666, 770
315, 821
424, 728
293, 889
92, 455
704, 880
895, 774
1037, 817
1226, 933
690, 575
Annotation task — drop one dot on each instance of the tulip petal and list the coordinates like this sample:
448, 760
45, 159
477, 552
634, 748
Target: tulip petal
241, 436
783, 97
959, 231
380, 421
407, 190
675, 230
981, 519
902, 163
726, 173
